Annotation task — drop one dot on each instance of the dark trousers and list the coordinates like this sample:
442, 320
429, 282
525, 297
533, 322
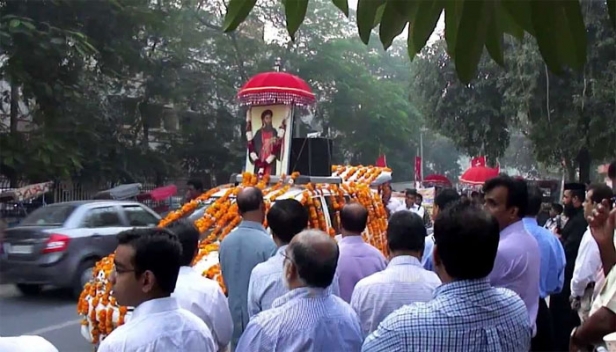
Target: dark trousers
544, 338
564, 319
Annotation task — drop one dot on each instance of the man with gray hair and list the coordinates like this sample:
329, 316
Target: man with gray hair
308, 317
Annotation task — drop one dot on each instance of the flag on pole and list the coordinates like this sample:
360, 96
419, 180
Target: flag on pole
381, 161
418, 176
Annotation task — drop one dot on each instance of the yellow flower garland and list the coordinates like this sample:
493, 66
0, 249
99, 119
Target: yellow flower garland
98, 308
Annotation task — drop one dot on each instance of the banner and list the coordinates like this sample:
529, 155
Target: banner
418, 175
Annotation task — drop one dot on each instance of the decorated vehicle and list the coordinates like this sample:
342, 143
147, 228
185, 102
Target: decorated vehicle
324, 197
272, 99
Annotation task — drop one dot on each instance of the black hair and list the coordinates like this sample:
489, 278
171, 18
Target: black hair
418, 195
197, 184
464, 228
535, 199
557, 207
406, 231
188, 235
157, 250
611, 171
446, 197
354, 217
249, 199
315, 268
474, 194
601, 191
287, 218
410, 192
517, 192
267, 112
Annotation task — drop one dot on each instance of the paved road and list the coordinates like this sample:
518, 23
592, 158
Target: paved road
51, 315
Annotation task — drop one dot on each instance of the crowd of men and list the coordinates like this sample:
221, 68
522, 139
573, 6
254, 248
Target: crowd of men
480, 282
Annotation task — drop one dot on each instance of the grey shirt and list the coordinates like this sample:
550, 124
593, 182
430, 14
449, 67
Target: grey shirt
245, 247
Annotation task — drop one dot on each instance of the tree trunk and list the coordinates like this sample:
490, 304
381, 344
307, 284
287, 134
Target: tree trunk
584, 160
13, 122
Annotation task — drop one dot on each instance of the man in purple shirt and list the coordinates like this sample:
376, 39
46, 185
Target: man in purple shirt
357, 258
518, 260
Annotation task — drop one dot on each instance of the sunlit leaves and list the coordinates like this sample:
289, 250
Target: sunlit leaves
557, 25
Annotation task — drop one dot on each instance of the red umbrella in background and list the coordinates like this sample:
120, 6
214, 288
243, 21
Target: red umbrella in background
437, 180
272, 88
478, 175
158, 194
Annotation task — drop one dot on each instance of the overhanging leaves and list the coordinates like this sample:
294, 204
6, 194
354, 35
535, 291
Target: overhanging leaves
237, 11
295, 11
366, 15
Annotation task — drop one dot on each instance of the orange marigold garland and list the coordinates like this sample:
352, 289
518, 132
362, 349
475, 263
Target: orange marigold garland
100, 312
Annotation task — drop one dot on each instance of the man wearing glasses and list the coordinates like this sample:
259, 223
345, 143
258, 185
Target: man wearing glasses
146, 267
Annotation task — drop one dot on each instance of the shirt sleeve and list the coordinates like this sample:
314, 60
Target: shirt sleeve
587, 263
253, 339
254, 306
356, 304
608, 296
558, 265
385, 339
223, 323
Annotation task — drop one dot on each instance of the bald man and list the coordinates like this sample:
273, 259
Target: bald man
308, 317
245, 247
357, 258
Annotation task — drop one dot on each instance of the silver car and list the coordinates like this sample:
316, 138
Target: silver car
59, 244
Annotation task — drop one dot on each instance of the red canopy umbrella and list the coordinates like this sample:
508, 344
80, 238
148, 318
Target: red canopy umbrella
437, 179
478, 175
270, 88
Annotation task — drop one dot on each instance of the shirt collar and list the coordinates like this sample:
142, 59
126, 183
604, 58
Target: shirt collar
530, 221
153, 306
515, 227
252, 225
463, 287
186, 270
281, 249
352, 239
298, 293
403, 260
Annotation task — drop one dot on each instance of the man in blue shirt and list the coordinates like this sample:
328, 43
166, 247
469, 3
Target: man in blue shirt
443, 199
552, 271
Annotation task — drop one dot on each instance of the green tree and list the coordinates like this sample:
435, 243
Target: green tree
469, 114
470, 26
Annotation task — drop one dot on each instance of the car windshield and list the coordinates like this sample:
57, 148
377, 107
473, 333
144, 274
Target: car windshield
199, 212
55, 214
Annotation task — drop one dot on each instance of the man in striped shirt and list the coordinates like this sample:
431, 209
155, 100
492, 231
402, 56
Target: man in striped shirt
466, 314
286, 218
404, 281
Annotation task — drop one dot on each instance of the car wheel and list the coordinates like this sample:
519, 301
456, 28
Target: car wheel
29, 289
83, 275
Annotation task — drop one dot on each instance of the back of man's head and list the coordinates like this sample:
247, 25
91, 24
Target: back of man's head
354, 218
188, 235
446, 197
460, 230
249, 199
599, 192
406, 232
315, 256
535, 199
286, 218
157, 250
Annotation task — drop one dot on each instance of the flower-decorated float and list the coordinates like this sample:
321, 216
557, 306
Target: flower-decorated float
271, 100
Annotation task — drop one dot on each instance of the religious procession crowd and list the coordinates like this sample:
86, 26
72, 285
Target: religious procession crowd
480, 282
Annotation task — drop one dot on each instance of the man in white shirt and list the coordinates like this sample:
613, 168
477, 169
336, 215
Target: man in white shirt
146, 267
404, 281
588, 260
197, 294
26, 343
411, 203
